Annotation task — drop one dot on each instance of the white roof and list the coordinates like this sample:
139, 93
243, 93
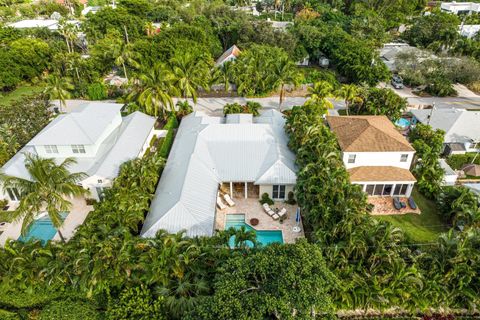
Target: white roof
124, 143
35, 23
460, 125
460, 6
208, 151
85, 125
469, 30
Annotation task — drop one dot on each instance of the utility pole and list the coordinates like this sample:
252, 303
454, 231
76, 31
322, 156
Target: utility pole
431, 112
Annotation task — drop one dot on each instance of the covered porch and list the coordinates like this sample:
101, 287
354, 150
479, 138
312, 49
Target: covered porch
238, 190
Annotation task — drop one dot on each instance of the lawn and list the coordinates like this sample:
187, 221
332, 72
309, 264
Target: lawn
25, 90
420, 228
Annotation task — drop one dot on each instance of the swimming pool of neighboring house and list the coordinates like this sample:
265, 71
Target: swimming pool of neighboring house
41, 229
264, 237
403, 123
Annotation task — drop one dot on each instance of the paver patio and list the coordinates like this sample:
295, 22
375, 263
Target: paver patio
384, 206
252, 208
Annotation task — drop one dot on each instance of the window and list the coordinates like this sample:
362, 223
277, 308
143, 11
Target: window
387, 190
78, 148
400, 189
278, 192
378, 190
51, 149
13, 194
100, 181
404, 158
351, 158
369, 189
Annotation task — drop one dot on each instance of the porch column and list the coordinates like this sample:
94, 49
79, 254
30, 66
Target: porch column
231, 189
393, 190
246, 190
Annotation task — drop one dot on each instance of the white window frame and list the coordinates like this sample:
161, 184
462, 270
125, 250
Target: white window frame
352, 158
404, 157
78, 148
51, 149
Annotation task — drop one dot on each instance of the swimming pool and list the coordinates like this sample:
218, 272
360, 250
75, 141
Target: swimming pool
402, 123
264, 237
41, 229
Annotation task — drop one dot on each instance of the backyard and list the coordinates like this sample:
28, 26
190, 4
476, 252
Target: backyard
419, 228
19, 92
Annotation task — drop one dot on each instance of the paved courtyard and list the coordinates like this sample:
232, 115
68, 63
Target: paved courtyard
253, 209
384, 206
77, 215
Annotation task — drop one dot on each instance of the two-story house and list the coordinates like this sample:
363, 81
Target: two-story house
96, 135
375, 154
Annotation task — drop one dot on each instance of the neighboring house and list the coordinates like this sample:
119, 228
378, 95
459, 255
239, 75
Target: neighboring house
97, 136
460, 7
462, 129
230, 55
280, 25
50, 24
390, 51
238, 152
469, 30
376, 155
450, 176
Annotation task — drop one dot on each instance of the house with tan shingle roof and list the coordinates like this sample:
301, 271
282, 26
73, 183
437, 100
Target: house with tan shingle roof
375, 154
231, 54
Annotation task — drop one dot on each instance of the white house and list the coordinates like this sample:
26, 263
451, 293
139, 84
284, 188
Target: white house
450, 176
50, 24
96, 135
469, 30
240, 152
375, 154
462, 129
460, 7
231, 54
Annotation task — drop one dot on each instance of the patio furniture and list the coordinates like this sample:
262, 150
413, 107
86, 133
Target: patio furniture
254, 221
229, 200
396, 203
275, 216
403, 204
411, 203
220, 204
282, 212
268, 210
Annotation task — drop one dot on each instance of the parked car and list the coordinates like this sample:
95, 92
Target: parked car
397, 81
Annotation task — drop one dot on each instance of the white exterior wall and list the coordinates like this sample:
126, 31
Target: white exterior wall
268, 188
146, 145
229, 58
366, 159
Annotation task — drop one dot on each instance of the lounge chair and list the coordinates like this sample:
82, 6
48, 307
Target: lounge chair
229, 200
220, 204
412, 204
403, 204
282, 212
396, 203
275, 216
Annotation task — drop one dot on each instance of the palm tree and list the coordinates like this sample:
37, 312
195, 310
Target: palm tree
47, 189
191, 72
350, 93
223, 75
58, 88
318, 95
69, 32
154, 89
184, 108
125, 55
284, 72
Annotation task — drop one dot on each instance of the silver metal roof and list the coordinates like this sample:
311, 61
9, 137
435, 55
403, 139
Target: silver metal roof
207, 151
123, 144
83, 126
460, 125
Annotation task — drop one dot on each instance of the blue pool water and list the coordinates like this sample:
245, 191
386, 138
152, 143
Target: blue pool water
264, 237
403, 123
41, 229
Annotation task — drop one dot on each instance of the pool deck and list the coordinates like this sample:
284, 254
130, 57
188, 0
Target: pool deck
251, 208
77, 215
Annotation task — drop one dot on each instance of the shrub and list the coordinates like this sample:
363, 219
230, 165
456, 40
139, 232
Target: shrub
231, 108
456, 161
69, 310
253, 108
291, 198
135, 303
97, 91
90, 201
266, 199
166, 145
7, 315
440, 87
172, 123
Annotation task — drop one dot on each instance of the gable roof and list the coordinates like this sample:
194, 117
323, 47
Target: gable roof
208, 151
367, 134
460, 125
233, 50
83, 126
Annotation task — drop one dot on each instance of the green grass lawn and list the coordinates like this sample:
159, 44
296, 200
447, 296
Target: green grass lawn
25, 90
420, 228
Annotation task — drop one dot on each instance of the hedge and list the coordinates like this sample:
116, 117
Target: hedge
69, 310
167, 143
7, 315
456, 161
